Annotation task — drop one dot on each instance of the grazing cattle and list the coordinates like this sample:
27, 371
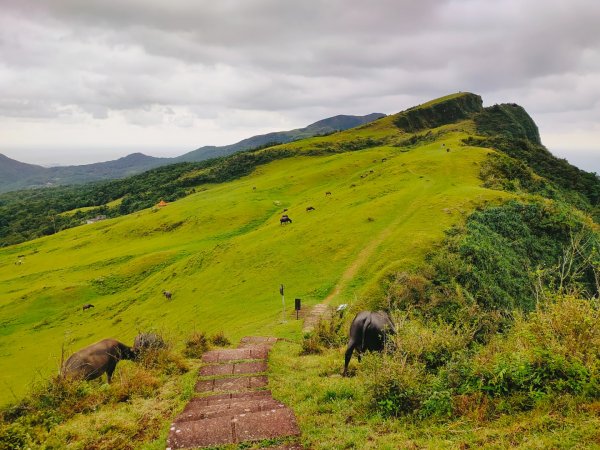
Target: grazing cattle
328, 193
91, 362
448, 149
147, 341
310, 208
87, 306
284, 219
285, 210
352, 185
383, 159
368, 333
167, 294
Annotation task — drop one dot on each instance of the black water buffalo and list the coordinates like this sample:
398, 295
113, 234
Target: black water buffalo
87, 306
92, 361
368, 332
284, 219
168, 294
310, 208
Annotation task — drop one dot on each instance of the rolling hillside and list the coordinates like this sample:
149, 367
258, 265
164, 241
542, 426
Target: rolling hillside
16, 175
223, 252
397, 185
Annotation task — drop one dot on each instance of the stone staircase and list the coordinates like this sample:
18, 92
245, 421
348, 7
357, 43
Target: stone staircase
234, 405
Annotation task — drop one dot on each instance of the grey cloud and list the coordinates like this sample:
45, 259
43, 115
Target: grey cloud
136, 59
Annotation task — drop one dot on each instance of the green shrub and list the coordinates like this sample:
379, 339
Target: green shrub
14, 437
196, 345
220, 340
311, 345
552, 352
328, 333
396, 387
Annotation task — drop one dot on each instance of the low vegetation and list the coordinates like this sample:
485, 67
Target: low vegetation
136, 408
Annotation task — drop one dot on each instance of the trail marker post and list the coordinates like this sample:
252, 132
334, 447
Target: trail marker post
281, 290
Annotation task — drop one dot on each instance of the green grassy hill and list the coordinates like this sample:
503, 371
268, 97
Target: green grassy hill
222, 252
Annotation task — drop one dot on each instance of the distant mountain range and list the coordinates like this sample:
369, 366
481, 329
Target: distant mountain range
16, 175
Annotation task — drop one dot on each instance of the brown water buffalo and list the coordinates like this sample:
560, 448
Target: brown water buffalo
168, 294
368, 332
92, 361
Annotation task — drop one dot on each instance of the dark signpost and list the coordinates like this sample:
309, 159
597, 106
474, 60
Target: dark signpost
282, 304
297, 306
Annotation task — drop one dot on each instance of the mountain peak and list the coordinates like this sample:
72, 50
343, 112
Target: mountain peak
440, 111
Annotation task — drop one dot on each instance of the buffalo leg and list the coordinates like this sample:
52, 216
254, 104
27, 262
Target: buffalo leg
109, 370
349, 351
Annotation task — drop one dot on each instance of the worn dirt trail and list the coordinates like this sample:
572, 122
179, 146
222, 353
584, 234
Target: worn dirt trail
322, 308
235, 407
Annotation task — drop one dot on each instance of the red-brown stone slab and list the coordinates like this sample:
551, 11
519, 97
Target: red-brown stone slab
250, 367
201, 433
194, 411
234, 354
265, 425
259, 352
240, 383
211, 357
256, 340
233, 384
285, 447
220, 398
258, 381
205, 386
216, 370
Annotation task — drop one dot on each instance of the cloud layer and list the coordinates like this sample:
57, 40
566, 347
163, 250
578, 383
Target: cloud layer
172, 76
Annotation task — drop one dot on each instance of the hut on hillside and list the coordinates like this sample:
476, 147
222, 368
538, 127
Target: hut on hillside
162, 203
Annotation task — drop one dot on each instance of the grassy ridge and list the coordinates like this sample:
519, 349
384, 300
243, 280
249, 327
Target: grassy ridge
223, 253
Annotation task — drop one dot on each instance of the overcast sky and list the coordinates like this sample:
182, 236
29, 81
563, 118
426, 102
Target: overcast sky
93, 80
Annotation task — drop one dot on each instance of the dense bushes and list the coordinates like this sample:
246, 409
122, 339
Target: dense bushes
552, 352
492, 264
512, 131
503, 318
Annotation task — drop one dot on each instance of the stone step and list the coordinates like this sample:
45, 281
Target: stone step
234, 369
289, 446
232, 384
236, 396
249, 341
231, 429
234, 354
195, 411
